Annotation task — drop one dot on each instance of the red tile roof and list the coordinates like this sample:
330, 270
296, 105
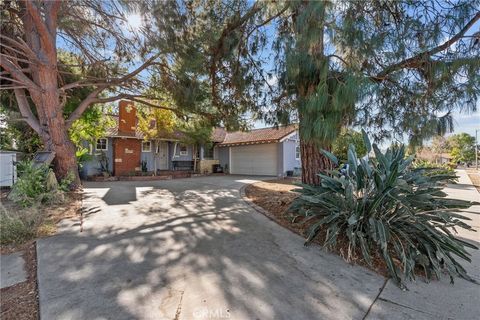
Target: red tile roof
264, 135
218, 134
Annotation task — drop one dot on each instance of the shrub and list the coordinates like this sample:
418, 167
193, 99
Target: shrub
383, 207
19, 226
65, 184
36, 184
430, 168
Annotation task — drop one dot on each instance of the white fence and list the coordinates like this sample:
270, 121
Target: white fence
8, 168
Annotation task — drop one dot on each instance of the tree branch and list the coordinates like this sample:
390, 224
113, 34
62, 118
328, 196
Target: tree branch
230, 27
26, 112
415, 61
45, 36
17, 73
20, 44
53, 6
14, 58
89, 100
93, 96
110, 82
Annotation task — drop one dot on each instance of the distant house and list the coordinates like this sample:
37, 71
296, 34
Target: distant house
429, 155
268, 151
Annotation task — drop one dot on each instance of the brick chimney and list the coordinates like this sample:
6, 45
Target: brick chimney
127, 117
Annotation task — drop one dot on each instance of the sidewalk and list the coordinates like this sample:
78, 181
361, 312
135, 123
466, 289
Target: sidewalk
439, 299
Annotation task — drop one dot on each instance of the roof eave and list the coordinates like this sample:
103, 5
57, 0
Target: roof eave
233, 144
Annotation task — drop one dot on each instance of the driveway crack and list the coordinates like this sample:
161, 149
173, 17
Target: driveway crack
376, 298
179, 307
407, 307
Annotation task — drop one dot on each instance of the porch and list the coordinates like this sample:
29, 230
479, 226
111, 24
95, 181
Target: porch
146, 176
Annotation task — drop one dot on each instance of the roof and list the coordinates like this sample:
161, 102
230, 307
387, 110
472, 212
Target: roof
219, 135
264, 135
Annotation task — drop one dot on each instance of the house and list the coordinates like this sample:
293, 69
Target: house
123, 151
267, 151
429, 155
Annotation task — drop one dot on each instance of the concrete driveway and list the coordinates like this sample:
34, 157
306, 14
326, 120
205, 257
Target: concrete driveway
193, 249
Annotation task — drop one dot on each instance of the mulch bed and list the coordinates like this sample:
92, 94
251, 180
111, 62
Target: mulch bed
20, 301
475, 178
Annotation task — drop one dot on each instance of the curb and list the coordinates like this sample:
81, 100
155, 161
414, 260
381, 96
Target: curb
251, 203
264, 212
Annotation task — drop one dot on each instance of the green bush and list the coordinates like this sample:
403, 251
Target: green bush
430, 168
19, 226
65, 184
37, 185
383, 207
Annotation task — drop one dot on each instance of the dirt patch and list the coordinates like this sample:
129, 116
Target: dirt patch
50, 216
276, 196
69, 209
475, 178
20, 301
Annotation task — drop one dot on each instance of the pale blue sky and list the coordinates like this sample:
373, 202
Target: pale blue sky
467, 122
462, 123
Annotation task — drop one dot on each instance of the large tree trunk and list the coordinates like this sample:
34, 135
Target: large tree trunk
65, 162
41, 38
313, 162
55, 136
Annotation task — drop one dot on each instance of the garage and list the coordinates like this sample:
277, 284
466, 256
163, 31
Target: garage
258, 159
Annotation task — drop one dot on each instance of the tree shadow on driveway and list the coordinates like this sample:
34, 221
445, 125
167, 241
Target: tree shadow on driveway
186, 249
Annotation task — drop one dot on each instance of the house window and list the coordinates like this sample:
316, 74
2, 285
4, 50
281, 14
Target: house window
146, 146
297, 152
183, 150
102, 144
208, 152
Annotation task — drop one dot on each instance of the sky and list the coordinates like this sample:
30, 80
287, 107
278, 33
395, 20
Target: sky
462, 122
467, 123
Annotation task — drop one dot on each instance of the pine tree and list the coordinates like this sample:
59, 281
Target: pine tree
394, 66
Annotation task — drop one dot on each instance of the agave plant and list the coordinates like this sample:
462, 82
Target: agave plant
386, 208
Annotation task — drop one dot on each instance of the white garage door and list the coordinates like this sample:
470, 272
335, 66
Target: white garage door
259, 159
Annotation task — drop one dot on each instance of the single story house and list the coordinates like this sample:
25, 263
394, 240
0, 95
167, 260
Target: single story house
123, 151
266, 151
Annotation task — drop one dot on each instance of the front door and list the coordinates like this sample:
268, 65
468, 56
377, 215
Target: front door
162, 155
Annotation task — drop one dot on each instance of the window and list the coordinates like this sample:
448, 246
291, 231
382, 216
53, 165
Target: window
208, 152
146, 146
183, 150
102, 144
297, 152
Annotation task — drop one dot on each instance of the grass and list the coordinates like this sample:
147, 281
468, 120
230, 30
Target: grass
19, 225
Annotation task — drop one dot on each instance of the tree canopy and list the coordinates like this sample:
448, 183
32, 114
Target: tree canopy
396, 67
462, 147
346, 138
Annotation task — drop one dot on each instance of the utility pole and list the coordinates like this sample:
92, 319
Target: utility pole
476, 148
